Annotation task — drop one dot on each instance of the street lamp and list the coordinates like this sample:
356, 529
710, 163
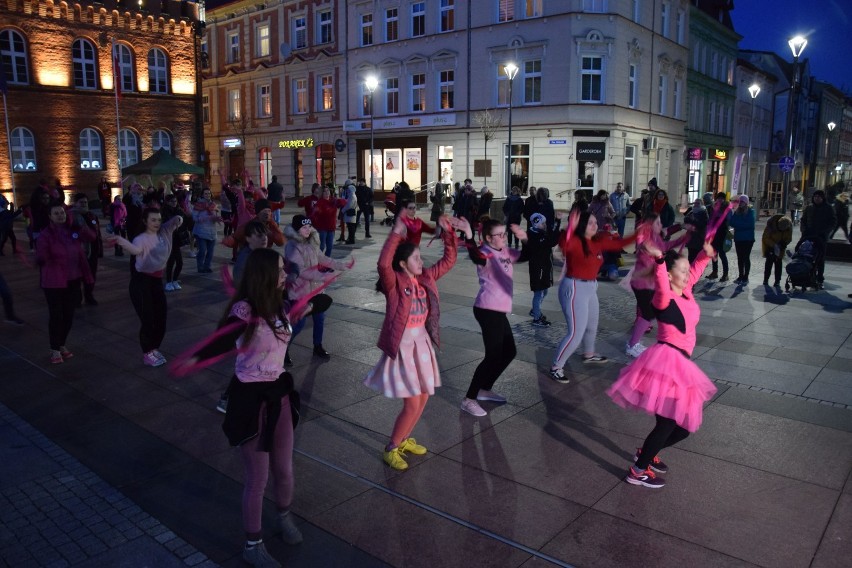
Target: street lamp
831, 126
754, 90
797, 46
371, 83
511, 70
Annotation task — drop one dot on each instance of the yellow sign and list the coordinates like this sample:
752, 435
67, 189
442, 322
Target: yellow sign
303, 143
720, 154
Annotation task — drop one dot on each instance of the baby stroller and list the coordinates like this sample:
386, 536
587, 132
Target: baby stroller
801, 270
390, 210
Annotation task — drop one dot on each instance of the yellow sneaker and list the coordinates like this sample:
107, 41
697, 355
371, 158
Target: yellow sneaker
411, 445
394, 459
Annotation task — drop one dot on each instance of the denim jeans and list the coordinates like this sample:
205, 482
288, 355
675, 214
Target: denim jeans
326, 241
538, 297
205, 253
319, 325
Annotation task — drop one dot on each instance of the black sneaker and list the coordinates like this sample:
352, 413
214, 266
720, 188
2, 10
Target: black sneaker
656, 464
541, 322
558, 375
222, 405
320, 352
645, 478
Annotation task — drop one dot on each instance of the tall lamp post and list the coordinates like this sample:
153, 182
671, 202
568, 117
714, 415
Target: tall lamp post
371, 83
511, 70
754, 90
797, 46
828, 167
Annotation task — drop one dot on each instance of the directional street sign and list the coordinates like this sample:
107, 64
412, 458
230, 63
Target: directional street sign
786, 164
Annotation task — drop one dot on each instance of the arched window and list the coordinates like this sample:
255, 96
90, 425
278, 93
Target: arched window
91, 150
23, 150
128, 148
125, 68
84, 57
158, 72
161, 139
13, 49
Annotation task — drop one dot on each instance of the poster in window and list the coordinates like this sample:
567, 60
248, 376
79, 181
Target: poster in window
392, 166
391, 159
412, 160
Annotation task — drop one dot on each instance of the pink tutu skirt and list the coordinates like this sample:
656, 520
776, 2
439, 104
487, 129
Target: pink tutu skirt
413, 372
664, 381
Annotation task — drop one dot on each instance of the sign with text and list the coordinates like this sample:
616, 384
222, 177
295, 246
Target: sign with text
595, 151
718, 154
302, 143
392, 122
696, 153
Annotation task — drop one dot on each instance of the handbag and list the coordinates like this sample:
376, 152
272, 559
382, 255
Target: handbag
729, 241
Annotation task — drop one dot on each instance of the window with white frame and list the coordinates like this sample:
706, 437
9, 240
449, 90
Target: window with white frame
418, 92
366, 30
533, 8
84, 59
128, 148
326, 27
262, 42
367, 101
680, 27
264, 100
505, 10
161, 139
392, 24
665, 17
448, 15
663, 93
233, 40
158, 72
91, 150
125, 67
637, 10
632, 85
591, 79
594, 6
678, 98
392, 95
300, 32
205, 108
300, 96
418, 19
502, 86
23, 150
629, 168
326, 84
235, 111
532, 82
447, 88
13, 50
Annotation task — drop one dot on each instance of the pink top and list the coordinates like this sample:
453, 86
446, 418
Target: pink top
419, 306
264, 359
643, 273
496, 279
678, 315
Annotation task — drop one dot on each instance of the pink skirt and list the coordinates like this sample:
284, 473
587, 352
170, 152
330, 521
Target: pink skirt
664, 381
413, 372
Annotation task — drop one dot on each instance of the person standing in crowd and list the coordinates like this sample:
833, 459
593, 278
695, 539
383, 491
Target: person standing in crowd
227, 204
663, 381
118, 221
660, 205
275, 196
259, 418
350, 213
638, 207
485, 199
530, 206
696, 218
603, 210
205, 216
841, 210
104, 196
414, 225
720, 208
7, 224
408, 368
40, 205
545, 206
776, 236
620, 202
133, 207
437, 198
257, 236
583, 250
494, 262
743, 221
364, 197
818, 222
306, 272
152, 248
309, 201
60, 254
513, 212
264, 215
539, 245
180, 238
796, 201
94, 250
324, 217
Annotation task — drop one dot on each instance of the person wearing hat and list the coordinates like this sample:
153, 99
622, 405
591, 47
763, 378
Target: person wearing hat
742, 222
307, 270
776, 236
539, 250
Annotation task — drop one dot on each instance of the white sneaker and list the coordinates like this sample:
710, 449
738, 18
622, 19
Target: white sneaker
635, 350
170, 287
176, 285
159, 355
472, 407
150, 359
290, 533
490, 396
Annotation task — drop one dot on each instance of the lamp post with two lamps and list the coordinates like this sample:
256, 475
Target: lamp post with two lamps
754, 90
797, 46
370, 83
511, 70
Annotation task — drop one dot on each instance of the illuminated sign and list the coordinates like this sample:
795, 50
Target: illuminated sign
231, 142
718, 154
591, 151
696, 153
303, 143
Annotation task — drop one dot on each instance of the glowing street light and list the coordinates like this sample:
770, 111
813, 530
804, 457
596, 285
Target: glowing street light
797, 46
754, 90
510, 69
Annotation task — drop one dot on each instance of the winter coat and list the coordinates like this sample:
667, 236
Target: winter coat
204, 216
603, 212
396, 287
485, 200
819, 221
118, 214
742, 222
620, 204
513, 209
797, 200
324, 214
350, 210
56, 246
722, 232
698, 218
773, 236
304, 261
539, 253
667, 213
364, 197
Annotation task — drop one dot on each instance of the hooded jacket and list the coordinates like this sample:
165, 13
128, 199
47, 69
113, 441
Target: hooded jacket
60, 246
819, 221
773, 235
304, 261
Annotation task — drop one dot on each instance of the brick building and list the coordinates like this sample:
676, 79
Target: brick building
58, 63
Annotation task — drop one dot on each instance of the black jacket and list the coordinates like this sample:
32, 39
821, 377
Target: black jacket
539, 250
513, 209
819, 221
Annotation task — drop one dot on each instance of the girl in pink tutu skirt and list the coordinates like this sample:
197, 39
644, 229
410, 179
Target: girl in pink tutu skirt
663, 381
408, 368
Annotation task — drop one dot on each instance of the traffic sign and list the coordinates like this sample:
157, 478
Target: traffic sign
786, 164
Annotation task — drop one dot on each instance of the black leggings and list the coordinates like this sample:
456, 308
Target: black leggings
743, 257
174, 265
499, 349
149, 301
666, 433
772, 261
8, 234
60, 308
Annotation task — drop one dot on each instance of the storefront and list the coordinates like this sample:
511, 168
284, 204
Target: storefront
706, 171
696, 166
717, 161
318, 161
394, 160
590, 157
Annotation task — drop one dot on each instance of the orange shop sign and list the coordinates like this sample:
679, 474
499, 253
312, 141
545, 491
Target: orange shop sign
717, 154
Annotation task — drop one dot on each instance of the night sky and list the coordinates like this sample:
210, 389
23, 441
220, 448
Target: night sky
766, 25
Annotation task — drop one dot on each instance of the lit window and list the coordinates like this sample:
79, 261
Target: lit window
85, 64
125, 67
158, 72
300, 96
233, 47
418, 92
591, 80
128, 148
326, 92
502, 86
505, 10
234, 106
13, 50
448, 15
300, 32
418, 19
392, 95
391, 24
325, 27
90, 149
447, 89
533, 8
366, 30
264, 101
262, 41
532, 81
160, 139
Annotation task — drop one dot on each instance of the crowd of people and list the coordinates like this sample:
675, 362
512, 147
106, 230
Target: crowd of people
274, 292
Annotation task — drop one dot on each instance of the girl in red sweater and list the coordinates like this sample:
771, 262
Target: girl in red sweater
324, 219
